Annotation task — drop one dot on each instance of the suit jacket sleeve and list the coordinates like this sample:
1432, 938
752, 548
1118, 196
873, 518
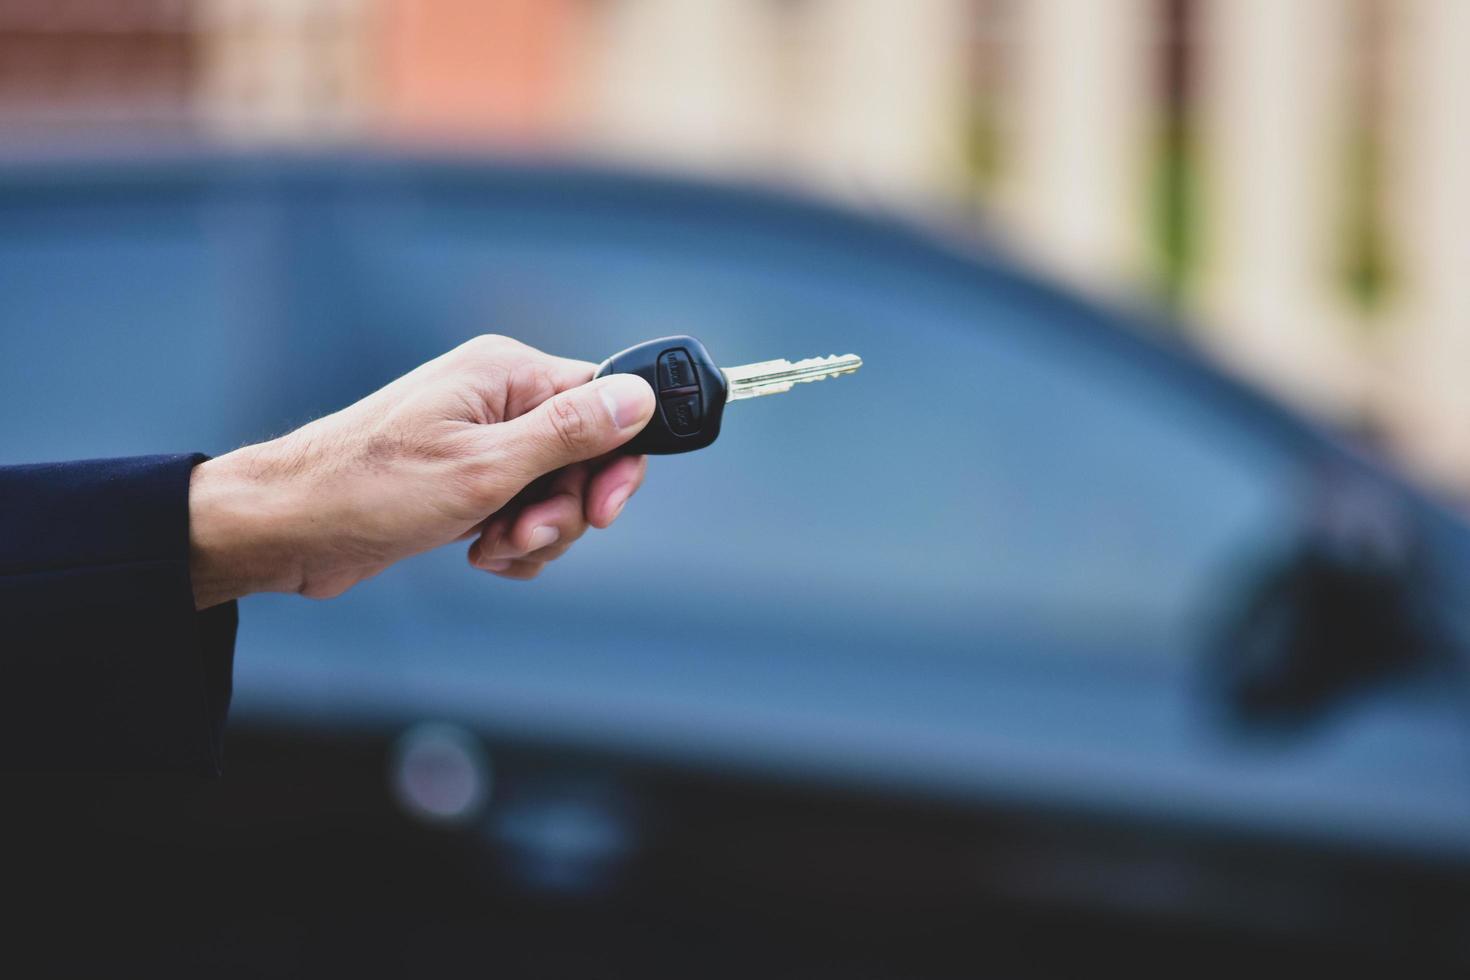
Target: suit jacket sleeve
104, 663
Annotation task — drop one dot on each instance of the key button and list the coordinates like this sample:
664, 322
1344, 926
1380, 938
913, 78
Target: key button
683, 413
676, 370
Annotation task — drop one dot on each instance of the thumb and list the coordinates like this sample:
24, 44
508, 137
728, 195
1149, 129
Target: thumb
577, 424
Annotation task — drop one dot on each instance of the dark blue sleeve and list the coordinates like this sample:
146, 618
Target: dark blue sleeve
104, 663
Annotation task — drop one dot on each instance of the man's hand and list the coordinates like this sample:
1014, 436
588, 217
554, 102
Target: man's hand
493, 441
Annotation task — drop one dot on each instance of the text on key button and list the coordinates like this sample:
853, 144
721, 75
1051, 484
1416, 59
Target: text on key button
676, 370
683, 413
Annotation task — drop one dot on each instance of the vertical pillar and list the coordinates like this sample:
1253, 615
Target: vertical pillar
1083, 82
688, 81
1274, 144
1429, 171
879, 108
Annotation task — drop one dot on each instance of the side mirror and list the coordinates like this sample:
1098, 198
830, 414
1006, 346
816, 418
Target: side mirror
1341, 607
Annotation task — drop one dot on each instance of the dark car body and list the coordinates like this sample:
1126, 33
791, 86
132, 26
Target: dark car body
1037, 640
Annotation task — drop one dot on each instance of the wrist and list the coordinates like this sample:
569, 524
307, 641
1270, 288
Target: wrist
239, 519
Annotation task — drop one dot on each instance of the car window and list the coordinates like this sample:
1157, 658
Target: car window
986, 483
983, 476
114, 326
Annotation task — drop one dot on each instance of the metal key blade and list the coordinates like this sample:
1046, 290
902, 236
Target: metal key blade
775, 377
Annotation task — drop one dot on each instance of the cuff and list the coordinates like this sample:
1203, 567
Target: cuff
107, 665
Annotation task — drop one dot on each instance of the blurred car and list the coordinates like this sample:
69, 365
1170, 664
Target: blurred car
1037, 641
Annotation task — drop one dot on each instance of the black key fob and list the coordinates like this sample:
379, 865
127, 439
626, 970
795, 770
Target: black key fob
691, 391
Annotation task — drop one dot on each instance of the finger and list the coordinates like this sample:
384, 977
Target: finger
568, 479
571, 427
496, 354
564, 511
548, 555
520, 569
538, 522
479, 550
557, 520
497, 522
541, 377
609, 489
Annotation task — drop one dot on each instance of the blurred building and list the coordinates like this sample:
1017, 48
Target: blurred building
1293, 177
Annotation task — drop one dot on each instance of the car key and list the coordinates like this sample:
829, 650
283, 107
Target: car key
692, 390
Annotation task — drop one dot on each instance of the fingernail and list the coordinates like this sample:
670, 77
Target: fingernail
542, 536
626, 397
617, 499
495, 564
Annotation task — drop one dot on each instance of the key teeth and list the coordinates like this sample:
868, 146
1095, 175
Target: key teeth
779, 376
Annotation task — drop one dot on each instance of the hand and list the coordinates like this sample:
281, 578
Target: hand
494, 441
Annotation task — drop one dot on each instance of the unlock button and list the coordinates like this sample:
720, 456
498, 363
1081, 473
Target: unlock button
675, 370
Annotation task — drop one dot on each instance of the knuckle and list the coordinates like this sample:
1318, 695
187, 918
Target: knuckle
570, 423
530, 378
326, 590
487, 346
492, 341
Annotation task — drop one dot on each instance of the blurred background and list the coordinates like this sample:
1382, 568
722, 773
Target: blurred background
1292, 178
1041, 642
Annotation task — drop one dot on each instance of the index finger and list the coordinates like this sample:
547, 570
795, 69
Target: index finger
544, 375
